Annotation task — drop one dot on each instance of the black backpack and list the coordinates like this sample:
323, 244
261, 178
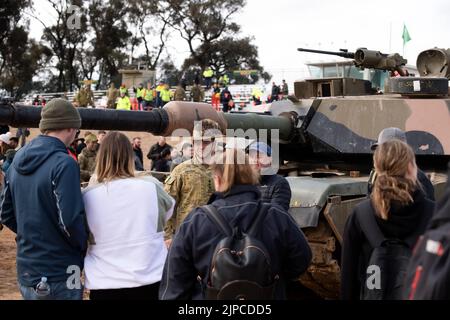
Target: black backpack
385, 274
428, 276
240, 267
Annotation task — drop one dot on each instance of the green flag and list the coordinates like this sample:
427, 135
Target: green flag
406, 37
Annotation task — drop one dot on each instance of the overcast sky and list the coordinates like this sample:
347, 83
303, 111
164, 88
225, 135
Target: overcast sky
280, 27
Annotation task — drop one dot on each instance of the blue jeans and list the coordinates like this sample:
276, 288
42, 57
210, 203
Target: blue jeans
58, 291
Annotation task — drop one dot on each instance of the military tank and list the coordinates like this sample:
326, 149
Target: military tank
325, 133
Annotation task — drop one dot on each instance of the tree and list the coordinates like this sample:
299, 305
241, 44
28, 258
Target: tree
64, 40
152, 24
20, 58
210, 34
202, 22
110, 37
229, 54
9, 23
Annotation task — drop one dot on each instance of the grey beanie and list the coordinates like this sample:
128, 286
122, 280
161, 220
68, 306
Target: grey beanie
59, 114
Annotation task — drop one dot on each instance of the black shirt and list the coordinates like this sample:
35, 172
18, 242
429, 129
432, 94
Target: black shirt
155, 152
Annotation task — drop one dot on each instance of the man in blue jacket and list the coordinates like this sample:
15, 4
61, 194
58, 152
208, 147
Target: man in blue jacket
42, 204
274, 188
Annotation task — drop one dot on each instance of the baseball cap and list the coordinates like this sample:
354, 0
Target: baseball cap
389, 134
261, 147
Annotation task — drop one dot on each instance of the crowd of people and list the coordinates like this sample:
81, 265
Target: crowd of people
137, 238
146, 96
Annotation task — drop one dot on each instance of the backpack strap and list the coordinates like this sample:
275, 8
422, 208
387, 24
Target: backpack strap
369, 225
218, 220
262, 210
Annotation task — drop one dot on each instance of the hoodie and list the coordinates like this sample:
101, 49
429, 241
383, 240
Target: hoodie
42, 204
404, 222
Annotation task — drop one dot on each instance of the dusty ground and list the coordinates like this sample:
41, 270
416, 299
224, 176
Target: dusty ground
8, 282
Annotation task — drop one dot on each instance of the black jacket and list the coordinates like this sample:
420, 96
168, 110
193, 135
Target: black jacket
138, 159
193, 245
42, 204
276, 190
155, 152
426, 184
403, 222
442, 212
162, 165
138, 153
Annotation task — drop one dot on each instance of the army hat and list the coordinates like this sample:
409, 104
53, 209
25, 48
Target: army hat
389, 134
91, 138
206, 130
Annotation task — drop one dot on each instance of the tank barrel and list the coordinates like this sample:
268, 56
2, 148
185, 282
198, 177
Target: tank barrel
169, 120
342, 53
253, 121
156, 121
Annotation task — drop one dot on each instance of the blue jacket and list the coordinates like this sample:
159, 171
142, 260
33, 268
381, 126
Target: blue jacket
193, 245
275, 189
42, 203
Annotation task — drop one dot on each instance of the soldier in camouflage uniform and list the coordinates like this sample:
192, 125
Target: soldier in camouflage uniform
112, 96
191, 183
85, 97
87, 157
197, 92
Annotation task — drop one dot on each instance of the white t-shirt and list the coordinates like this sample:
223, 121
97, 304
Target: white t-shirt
126, 218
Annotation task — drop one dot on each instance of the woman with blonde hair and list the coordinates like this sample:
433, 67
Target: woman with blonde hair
238, 204
126, 216
392, 219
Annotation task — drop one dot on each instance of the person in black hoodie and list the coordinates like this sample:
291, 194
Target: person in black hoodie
42, 203
400, 207
237, 201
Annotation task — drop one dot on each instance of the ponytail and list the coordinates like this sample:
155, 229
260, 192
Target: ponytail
391, 160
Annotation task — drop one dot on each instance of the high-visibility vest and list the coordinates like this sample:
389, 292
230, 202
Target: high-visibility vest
123, 103
165, 95
208, 73
140, 93
148, 96
159, 88
256, 93
123, 90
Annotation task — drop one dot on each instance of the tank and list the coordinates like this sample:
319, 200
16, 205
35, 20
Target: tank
325, 134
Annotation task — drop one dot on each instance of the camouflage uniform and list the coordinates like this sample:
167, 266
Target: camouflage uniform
112, 95
180, 94
86, 159
197, 93
85, 97
191, 185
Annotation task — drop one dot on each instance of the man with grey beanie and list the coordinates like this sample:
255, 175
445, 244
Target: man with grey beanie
42, 203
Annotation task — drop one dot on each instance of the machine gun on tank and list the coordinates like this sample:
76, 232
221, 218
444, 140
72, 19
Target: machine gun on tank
364, 58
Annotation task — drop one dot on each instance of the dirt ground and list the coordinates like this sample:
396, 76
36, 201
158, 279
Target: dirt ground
8, 282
